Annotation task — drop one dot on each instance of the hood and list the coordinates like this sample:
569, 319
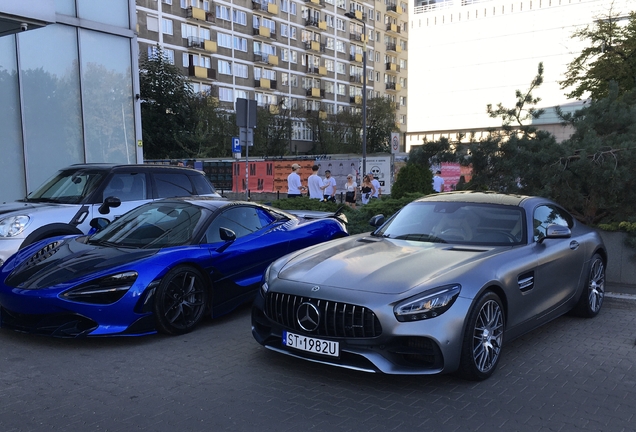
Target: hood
63, 260
21, 207
380, 265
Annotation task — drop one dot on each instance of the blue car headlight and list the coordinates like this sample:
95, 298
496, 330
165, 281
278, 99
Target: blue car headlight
428, 304
106, 290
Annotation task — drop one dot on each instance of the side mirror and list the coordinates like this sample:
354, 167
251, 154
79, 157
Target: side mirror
99, 223
227, 234
555, 231
377, 221
109, 202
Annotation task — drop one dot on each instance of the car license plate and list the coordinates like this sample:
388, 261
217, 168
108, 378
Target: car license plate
312, 345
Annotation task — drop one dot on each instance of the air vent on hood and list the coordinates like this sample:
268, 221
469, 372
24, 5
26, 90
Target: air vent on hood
44, 253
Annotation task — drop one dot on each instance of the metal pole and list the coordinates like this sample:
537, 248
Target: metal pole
364, 103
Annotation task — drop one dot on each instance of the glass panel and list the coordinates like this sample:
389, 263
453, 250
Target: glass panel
65, 7
113, 12
11, 162
50, 82
109, 121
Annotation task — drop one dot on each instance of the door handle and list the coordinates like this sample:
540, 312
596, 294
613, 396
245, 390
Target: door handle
574, 245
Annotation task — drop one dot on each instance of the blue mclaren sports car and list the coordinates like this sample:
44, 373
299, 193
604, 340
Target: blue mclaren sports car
161, 267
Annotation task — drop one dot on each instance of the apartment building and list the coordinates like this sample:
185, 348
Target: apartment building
300, 55
471, 53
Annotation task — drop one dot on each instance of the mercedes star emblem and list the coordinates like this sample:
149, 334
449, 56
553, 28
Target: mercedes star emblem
308, 316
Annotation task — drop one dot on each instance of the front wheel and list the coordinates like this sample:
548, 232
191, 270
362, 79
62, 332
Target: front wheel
591, 300
483, 339
180, 301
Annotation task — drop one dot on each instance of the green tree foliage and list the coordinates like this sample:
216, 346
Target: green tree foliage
272, 135
165, 109
610, 56
516, 119
413, 177
597, 174
210, 128
380, 124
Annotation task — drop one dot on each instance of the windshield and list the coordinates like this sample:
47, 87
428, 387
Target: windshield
154, 225
455, 222
69, 186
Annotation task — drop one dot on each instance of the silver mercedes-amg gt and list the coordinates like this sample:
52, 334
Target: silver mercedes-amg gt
439, 287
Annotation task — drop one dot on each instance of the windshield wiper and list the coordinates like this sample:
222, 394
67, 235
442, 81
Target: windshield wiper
36, 200
421, 237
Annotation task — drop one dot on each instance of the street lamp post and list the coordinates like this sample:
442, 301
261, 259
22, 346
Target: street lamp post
353, 16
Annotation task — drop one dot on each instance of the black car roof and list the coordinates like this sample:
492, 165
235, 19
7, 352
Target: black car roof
129, 167
477, 197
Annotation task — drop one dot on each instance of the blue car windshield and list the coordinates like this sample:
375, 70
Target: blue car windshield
457, 222
154, 225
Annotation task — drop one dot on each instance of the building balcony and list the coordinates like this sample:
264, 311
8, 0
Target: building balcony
319, 3
200, 14
392, 67
201, 72
274, 109
315, 46
355, 100
393, 28
315, 92
356, 78
316, 70
311, 22
394, 9
265, 6
264, 32
359, 37
266, 58
264, 83
321, 114
203, 44
359, 15
391, 86
356, 58
393, 47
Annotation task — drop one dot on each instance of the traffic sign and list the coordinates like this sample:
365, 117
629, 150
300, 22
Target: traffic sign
236, 145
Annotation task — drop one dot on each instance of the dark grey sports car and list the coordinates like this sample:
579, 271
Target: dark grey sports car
439, 287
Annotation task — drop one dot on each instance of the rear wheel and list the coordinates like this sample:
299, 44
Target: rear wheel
180, 301
591, 300
483, 339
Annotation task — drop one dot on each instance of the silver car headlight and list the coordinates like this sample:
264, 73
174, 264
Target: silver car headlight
13, 225
426, 305
264, 285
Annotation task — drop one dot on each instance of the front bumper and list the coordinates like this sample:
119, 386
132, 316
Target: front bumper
424, 347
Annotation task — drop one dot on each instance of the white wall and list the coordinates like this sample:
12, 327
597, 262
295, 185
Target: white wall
462, 58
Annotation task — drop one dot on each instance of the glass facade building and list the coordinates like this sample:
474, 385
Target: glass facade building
68, 85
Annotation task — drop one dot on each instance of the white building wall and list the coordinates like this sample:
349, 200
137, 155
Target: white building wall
465, 57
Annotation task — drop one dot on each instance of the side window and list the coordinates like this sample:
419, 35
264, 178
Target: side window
546, 215
242, 220
202, 185
173, 185
127, 186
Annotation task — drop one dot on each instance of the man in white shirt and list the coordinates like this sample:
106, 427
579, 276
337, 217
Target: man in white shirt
329, 187
438, 182
293, 183
314, 184
376, 185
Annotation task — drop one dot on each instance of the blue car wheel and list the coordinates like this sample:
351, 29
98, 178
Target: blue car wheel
180, 301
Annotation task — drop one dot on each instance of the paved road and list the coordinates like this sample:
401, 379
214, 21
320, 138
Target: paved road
571, 375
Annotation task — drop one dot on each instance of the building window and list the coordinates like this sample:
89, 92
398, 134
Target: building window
402, 100
225, 67
240, 70
340, 46
152, 23
226, 94
240, 44
340, 68
293, 8
340, 24
293, 57
166, 26
342, 91
284, 6
224, 40
292, 33
284, 30
222, 12
293, 80
239, 17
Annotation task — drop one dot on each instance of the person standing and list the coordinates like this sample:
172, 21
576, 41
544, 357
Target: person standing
314, 184
329, 187
376, 184
438, 182
350, 191
367, 189
293, 183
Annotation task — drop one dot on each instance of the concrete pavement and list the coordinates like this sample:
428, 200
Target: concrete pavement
570, 375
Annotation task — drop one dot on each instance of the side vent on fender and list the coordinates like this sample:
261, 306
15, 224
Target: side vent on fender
526, 281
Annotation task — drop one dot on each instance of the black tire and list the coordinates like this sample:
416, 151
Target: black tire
483, 338
589, 305
180, 301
